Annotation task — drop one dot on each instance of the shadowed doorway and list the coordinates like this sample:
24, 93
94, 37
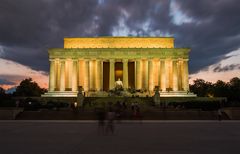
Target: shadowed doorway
105, 76
131, 75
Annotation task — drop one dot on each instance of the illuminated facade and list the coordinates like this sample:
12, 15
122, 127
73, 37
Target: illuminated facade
140, 62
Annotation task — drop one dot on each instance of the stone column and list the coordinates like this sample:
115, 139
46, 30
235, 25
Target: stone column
170, 73
167, 76
57, 67
97, 74
145, 74
150, 75
101, 75
86, 76
163, 75
179, 71
159, 73
135, 74
139, 74
52, 76
185, 75
125, 73
81, 73
112, 74
90, 80
175, 75
74, 75
62, 74
70, 66
91, 75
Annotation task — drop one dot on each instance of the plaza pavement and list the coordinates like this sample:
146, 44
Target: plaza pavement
167, 137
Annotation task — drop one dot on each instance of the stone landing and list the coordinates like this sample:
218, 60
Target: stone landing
177, 94
60, 94
124, 94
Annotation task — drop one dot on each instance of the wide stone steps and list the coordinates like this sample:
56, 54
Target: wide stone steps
127, 115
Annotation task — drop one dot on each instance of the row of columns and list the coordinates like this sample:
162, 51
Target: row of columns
68, 74
168, 74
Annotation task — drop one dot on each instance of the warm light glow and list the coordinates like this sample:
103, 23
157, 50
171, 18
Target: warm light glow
210, 95
119, 42
119, 73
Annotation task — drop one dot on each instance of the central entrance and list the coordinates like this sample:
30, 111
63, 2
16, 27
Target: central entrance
118, 72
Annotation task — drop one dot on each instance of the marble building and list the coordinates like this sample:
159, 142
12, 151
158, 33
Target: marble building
96, 63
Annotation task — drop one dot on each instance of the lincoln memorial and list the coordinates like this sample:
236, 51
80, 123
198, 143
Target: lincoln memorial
95, 65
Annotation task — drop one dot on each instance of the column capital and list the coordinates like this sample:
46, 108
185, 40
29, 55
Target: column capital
62, 59
111, 60
99, 59
181, 59
52, 59
104, 60
125, 60
137, 60
86, 59
74, 59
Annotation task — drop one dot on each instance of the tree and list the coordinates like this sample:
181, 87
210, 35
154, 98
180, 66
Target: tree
234, 86
2, 91
29, 88
220, 89
3, 95
231, 89
201, 88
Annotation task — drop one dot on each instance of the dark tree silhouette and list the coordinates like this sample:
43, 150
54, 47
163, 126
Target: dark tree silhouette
221, 89
234, 85
201, 88
3, 95
29, 88
231, 89
2, 91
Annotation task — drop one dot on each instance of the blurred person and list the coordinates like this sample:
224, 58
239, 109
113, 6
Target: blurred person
219, 114
101, 115
110, 123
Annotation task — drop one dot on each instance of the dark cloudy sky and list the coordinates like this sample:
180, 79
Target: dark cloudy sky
211, 28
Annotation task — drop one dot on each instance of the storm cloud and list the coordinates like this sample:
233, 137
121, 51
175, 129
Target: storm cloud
28, 28
226, 68
6, 82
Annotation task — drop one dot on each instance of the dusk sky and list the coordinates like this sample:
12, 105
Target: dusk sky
211, 28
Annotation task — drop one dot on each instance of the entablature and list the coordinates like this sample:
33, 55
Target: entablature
122, 53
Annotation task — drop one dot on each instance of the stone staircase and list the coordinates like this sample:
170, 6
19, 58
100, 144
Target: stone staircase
127, 115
